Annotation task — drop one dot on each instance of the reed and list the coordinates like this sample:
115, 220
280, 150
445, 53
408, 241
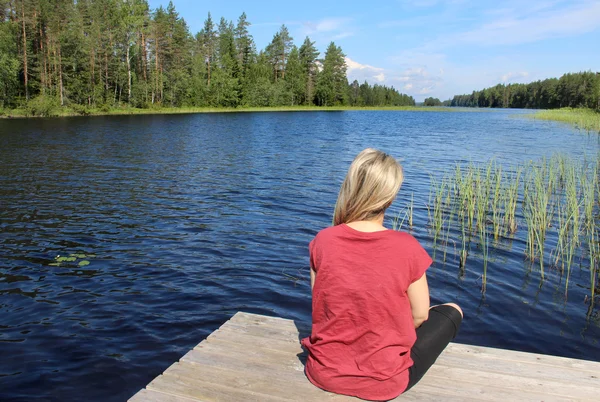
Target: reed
405, 214
436, 208
510, 198
536, 212
497, 212
584, 119
481, 204
558, 198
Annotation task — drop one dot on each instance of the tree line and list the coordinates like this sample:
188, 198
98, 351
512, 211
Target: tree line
431, 101
575, 90
110, 53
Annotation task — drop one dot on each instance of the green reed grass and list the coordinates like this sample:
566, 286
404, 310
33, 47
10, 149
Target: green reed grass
556, 196
405, 214
584, 119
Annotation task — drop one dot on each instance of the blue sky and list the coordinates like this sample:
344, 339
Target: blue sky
429, 47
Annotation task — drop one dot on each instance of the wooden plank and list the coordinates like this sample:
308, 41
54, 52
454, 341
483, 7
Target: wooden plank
205, 391
287, 364
147, 395
469, 378
257, 319
284, 345
273, 385
274, 322
470, 351
540, 372
266, 383
235, 364
489, 391
264, 331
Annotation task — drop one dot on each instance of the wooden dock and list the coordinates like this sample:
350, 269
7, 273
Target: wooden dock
258, 358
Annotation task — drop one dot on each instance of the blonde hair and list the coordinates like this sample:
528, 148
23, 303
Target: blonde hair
371, 185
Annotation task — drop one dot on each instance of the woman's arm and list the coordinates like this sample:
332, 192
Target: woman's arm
418, 295
313, 275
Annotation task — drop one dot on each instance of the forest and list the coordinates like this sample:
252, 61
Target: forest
574, 90
103, 54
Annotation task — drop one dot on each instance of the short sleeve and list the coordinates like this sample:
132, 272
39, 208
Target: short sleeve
420, 261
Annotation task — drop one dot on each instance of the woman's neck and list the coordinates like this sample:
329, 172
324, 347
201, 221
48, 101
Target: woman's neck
371, 225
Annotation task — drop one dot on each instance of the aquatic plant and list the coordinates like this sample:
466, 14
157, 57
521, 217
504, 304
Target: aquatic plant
584, 119
61, 260
403, 215
559, 197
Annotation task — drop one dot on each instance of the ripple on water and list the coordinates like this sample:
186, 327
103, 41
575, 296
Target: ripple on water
191, 218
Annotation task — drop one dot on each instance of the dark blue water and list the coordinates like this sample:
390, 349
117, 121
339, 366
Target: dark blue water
191, 218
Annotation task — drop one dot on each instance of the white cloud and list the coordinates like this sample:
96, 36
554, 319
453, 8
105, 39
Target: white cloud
334, 27
380, 77
329, 24
342, 35
353, 65
514, 76
418, 80
326, 30
413, 80
364, 72
535, 24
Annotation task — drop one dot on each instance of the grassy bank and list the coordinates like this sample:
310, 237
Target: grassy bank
584, 119
85, 111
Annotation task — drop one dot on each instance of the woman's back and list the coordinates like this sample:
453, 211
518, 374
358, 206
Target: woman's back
370, 292
362, 323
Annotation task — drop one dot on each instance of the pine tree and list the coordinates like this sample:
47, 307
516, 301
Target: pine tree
260, 88
134, 14
246, 55
294, 77
226, 89
308, 54
332, 81
9, 59
209, 41
278, 51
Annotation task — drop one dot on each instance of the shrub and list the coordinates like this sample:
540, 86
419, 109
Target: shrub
81, 110
104, 108
43, 106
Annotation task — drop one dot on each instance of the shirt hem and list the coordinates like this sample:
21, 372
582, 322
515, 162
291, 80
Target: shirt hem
384, 398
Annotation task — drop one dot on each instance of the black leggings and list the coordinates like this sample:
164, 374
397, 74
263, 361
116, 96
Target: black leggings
432, 338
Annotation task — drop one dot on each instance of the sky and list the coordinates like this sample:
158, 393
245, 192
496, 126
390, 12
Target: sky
423, 48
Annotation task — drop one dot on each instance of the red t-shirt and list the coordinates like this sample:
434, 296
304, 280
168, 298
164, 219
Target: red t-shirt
362, 326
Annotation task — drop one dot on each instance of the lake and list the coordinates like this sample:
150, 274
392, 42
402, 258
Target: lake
187, 219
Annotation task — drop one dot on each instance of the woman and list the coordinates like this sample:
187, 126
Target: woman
373, 333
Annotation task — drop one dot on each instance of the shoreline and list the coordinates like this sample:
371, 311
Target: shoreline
583, 119
68, 112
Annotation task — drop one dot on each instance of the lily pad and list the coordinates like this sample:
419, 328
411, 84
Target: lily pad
78, 255
55, 264
61, 259
83, 263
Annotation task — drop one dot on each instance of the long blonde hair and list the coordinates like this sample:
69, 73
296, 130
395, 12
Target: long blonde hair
373, 181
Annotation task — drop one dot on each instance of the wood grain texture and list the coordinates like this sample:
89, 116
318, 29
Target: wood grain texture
258, 358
